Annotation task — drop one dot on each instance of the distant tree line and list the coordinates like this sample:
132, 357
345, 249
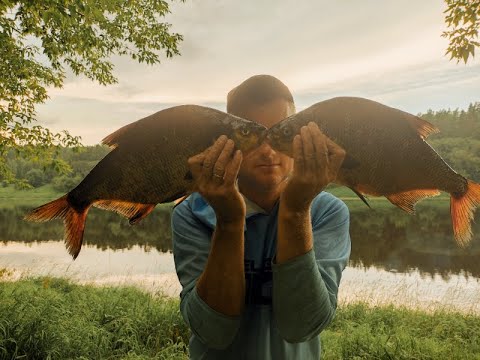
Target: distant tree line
458, 143
78, 161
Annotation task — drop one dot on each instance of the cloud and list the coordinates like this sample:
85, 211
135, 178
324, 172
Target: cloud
389, 51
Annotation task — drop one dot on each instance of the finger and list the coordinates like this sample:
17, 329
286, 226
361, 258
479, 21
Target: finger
231, 171
195, 164
298, 160
222, 161
212, 156
337, 153
320, 145
308, 150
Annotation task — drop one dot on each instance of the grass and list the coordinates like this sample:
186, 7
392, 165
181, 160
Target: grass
43, 318
11, 197
48, 318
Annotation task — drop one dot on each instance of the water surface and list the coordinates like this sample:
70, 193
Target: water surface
396, 257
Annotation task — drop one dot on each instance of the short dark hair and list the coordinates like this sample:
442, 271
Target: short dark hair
255, 91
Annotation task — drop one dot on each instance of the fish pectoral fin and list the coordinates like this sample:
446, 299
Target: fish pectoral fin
422, 127
407, 200
360, 195
134, 212
179, 200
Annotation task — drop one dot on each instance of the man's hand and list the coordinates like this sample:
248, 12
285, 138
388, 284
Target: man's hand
317, 160
222, 283
215, 171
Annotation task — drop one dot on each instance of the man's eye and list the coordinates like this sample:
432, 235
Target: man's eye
245, 132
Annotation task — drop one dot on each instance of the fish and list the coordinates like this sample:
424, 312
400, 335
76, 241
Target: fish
386, 155
146, 166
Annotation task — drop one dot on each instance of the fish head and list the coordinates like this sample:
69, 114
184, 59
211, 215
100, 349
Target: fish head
280, 136
247, 135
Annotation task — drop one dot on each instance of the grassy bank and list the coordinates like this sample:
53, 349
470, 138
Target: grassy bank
53, 318
10, 197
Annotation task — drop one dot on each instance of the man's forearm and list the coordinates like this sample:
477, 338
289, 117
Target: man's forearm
294, 234
222, 283
297, 282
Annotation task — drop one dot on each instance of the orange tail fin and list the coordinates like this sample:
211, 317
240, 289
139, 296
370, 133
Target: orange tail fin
73, 220
461, 210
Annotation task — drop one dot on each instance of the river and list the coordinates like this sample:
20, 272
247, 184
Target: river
396, 258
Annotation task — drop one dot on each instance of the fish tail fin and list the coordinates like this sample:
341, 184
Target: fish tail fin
461, 210
73, 220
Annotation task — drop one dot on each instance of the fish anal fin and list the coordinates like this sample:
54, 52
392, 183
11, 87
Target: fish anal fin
422, 127
133, 211
407, 200
461, 210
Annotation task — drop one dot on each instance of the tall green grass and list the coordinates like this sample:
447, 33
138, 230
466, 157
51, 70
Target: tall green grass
48, 318
387, 332
11, 197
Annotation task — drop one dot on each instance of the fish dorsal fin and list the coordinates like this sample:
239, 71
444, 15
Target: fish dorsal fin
114, 138
422, 127
134, 212
407, 200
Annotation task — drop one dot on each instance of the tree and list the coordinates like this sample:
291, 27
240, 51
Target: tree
41, 39
463, 20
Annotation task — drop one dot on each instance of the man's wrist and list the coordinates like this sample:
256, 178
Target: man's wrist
230, 225
290, 213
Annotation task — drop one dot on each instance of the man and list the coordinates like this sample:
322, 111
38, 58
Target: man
260, 259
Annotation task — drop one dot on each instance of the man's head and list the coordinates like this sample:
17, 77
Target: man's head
266, 100
255, 92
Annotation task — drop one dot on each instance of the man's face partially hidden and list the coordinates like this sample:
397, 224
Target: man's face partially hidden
263, 169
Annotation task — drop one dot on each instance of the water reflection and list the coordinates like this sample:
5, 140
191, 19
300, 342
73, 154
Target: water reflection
395, 241
386, 238
104, 229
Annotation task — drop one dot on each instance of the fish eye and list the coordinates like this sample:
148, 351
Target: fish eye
287, 131
245, 131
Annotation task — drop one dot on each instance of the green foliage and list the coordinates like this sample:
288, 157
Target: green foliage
35, 177
53, 318
77, 162
40, 39
65, 183
463, 20
459, 139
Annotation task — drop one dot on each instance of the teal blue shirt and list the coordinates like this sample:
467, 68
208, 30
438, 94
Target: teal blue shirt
286, 305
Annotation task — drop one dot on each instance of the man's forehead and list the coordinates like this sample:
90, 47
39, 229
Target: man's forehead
270, 113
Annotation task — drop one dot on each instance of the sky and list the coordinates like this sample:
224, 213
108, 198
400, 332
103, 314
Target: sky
388, 51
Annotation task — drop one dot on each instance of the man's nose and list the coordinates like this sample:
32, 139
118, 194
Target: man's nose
265, 148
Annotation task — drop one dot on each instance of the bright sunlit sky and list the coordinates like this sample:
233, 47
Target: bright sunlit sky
390, 51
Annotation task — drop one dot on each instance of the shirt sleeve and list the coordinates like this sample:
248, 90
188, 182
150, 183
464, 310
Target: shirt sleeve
305, 288
191, 246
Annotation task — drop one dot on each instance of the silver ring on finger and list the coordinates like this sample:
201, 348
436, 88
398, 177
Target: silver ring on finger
218, 176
